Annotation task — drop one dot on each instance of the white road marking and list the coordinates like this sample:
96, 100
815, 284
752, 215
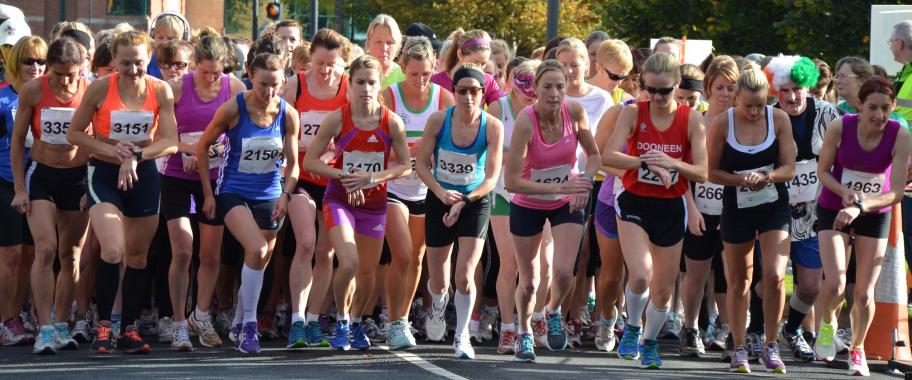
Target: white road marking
423, 364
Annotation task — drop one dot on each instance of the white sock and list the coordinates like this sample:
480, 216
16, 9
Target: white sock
297, 317
251, 285
439, 300
655, 318
311, 317
340, 317
551, 311
636, 303
200, 315
239, 309
357, 319
538, 315
177, 323
507, 327
463, 304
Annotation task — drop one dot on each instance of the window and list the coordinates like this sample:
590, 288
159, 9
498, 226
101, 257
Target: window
128, 7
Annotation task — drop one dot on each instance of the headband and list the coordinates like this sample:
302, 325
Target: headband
465, 72
691, 84
79, 37
525, 84
473, 43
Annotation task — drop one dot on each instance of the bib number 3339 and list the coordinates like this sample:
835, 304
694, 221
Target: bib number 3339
456, 168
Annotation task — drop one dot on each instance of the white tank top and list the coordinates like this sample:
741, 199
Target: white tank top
596, 103
410, 187
508, 118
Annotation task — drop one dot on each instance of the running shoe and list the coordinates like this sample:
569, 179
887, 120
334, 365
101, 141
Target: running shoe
771, 360
810, 337
825, 346
486, 324
858, 364
557, 335
181, 338
843, 341
435, 325
313, 334
46, 341
282, 319
340, 339
64, 341
754, 344
575, 333
266, 326
605, 340
131, 342
739, 361
507, 342
399, 336
473, 328
630, 343
148, 325
82, 332
223, 322
525, 349
462, 345
359, 339
326, 325
208, 337
729, 344
29, 319
540, 332
382, 327
670, 329
691, 344
650, 358
235, 334
14, 334
296, 336
795, 342
165, 330
372, 330
250, 341
103, 343
717, 340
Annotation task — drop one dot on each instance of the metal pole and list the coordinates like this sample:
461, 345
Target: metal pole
553, 16
256, 18
314, 17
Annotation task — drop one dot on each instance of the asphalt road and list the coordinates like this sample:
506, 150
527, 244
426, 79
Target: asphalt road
427, 361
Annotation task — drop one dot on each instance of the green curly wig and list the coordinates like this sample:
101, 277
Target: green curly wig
804, 73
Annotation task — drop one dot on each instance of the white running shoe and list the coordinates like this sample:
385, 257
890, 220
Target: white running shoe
463, 347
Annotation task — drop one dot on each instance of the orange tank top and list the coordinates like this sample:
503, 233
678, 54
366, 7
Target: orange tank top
53, 125
311, 112
116, 122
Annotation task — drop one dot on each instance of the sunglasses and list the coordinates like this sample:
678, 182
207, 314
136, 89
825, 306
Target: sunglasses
466, 90
614, 76
660, 91
32, 61
176, 65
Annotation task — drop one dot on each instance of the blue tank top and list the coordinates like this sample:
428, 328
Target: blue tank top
9, 101
457, 168
253, 157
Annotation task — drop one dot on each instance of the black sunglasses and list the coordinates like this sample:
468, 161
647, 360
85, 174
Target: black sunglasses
32, 61
176, 65
614, 76
660, 91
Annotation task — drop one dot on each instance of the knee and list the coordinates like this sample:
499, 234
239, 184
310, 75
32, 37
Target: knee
863, 299
835, 286
773, 278
181, 257
611, 285
808, 289
113, 255
562, 280
464, 283
304, 246
638, 283
661, 297
136, 261
347, 268
259, 255
44, 256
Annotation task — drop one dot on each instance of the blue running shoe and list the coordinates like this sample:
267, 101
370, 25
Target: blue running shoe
250, 342
630, 342
359, 339
525, 350
650, 359
313, 333
296, 336
557, 336
235, 335
339, 340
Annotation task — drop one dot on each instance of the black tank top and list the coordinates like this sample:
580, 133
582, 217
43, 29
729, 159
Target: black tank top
737, 158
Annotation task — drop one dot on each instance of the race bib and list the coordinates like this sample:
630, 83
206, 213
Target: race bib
133, 126
748, 198
55, 122
371, 162
869, 184
647, 176
259, 155
456, 168
411, 179
803, 188
310, 124
193, 138
708, 198
557, 174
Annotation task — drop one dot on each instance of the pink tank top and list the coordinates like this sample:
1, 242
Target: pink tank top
548, 163
193, 116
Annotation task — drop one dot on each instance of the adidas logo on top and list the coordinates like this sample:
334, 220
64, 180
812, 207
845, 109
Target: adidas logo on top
372, 139
378, 227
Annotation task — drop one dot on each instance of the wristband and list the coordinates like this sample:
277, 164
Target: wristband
465, 198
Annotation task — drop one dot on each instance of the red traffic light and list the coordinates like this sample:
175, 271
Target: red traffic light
274, 10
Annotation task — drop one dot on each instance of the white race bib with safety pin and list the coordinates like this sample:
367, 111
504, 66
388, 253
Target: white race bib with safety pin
371, 162
456, 168
557, 174
55, 122
647, 176
749, 198
259, 155
869, 184
133, 126
803, 188
708, 198
310, 124
193, 138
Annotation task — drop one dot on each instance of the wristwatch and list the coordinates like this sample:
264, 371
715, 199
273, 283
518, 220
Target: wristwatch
465, 198
860, 206
287, 194
138, 154
644, 165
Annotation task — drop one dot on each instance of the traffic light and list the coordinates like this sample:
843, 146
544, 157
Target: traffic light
274, 10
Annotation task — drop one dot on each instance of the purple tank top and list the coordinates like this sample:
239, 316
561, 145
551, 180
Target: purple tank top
193, 116
860, 170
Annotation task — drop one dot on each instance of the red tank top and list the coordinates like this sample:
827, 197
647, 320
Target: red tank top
365, 150
116, 122
311, 112
57, 123
673, 142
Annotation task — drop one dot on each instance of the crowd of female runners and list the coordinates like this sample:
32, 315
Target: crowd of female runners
453, 187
